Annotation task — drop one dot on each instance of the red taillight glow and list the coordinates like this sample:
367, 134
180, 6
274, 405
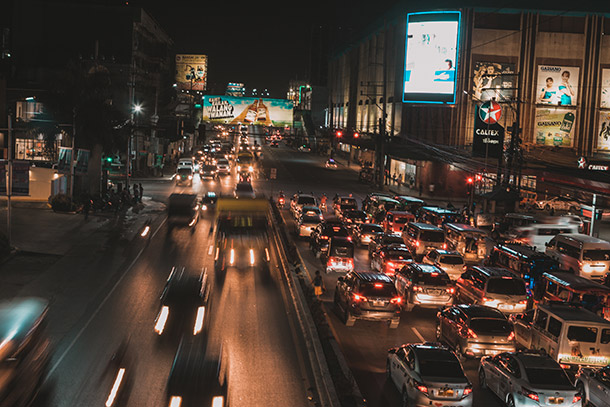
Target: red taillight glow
576, 398
390, 264
358, 297
444, 246
378, 285
417, 289
530, 394
467, 390
511, 336
468, 333
324, 237
434, 274
396, 300
420, 386
523, 302
417, 243
451, 290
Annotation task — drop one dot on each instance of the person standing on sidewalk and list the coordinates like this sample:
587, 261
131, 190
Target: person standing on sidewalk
141, 192
318, 284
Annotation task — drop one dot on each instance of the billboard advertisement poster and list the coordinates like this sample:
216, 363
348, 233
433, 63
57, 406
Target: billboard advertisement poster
488, 137
494, 80
21, 178
555, 127
82, 161
557, 85
233, 110
605, 102
431, 57
603, 135
191, 71
235, 89
64, 160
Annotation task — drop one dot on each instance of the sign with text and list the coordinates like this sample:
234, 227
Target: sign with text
247, 110
21, 178
431, 57
488, 137
494, 80
555, 127
557, 85
191, 71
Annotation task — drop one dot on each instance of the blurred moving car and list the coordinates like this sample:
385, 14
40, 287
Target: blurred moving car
370, 296
390, 259
184, 176
583, 255
208, 201
428, 374
363, 233
182, 210
330, 164
244, 190
475, 330
594, 386
557, 204
528, 379
25, 349
183, 303
424, 286
450, 261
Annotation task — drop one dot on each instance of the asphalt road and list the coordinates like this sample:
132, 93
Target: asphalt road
365, 344
260, 348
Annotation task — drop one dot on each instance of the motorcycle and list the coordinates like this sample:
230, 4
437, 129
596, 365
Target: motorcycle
281, 201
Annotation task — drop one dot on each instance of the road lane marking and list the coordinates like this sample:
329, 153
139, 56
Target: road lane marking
210, 250
420, 336
99, 307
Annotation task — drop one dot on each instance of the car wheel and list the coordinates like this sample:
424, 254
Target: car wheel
581, 389
350, 320
482, 380
510, 402
547, 207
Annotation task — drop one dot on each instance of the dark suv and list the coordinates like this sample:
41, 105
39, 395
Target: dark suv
384, 239
366, 295
321, 235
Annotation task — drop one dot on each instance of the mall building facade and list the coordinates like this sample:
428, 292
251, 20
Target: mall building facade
547, 71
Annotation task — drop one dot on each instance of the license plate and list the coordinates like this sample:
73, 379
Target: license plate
555, 400
506, 306
378, 303
492, 352
445, 392
434, 292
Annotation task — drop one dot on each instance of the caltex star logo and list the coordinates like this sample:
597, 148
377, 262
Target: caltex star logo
490, 112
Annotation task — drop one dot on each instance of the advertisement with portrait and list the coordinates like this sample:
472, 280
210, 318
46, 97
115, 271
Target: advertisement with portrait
494, 80
557, 85
233, 110
605, 102
191, 71
431, 57
603, 133
554, 127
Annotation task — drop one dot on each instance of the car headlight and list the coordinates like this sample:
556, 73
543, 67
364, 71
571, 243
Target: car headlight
251, 168
190, 177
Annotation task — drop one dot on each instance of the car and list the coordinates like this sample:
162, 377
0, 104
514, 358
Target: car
330, 164
245, 176
208, 201
363, 233
573, 220
367, 296
274, 144
321, 235
183, 302
196, 378
523, 379
557, 204
304, 148
309, 210
344, 203
353, 217
390, 259
475, 330
182, 210
594, 386
424, 286
299, 200
223, 166
384, 239
244, 190
208, 171
428, 374
450, 261
307, 224
184, 176
340, 256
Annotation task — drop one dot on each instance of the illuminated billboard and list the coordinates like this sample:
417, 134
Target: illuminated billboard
233, 110
554, 127
191, 71
235, 89
431, 57
494, 80
557, 85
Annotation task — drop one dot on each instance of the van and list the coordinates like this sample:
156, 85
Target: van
493, 287
466, 240
25, 349
583, 255
186, 163
420, 238
539, 235
437, 216
571, 335
395, 221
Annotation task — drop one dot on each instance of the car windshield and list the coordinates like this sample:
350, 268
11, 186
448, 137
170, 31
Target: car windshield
306, 200
547, 377
400, 255
436, 236
433, 279
356, 215
184, 171
490, 326
243, 188
209, 168
378, 290
311, 219
223, 162
506, 286
440, 368
596, 255
453, 260
392, 240
371, 229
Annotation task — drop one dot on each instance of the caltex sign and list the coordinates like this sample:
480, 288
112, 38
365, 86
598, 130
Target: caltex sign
490, 112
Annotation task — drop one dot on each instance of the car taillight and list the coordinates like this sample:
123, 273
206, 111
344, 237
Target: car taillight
467, 390
420, 386
444, 246
324, 237
523, 302
451, 290
417, 243
396, 300
358, 297
464, 267
577, 397
530, 394
468, 333
511, 336
417, 289
390, 264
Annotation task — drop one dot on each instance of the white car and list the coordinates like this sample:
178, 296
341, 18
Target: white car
450, 261
594, 385
244, 190
557, 204
524, 379
428, 374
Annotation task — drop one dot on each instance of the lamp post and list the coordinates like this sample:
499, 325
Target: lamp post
136, 109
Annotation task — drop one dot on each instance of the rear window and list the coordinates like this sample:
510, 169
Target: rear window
546, 377
356, 215
400, 255
440, 368
401, 221
306, 200
436, 236
311, 219
392, 239
596, 255
209, 168
372, 229
582, 334
451, 260
348, 202
243, 188
434, 279
184, 171
490, 326
506, 286
378, 290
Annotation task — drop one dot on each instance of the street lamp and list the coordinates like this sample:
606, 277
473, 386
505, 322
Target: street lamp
136, 109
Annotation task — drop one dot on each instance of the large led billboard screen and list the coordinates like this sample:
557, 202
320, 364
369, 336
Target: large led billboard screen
431, 57
245, 110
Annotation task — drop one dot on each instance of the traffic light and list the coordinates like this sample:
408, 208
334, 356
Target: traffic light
469, 180
339, 133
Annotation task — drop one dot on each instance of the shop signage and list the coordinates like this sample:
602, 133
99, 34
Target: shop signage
584, 164
488, 137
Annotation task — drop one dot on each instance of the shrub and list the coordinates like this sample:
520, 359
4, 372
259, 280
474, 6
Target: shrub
62, 203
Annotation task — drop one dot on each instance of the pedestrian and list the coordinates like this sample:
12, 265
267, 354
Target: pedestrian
141, 192
421, 189
86, 205
318, 284
135, 193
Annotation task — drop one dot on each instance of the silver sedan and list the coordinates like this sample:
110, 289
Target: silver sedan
594, 385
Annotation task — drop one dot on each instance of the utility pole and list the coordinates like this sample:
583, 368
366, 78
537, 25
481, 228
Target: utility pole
73, 153
9, 184
593, 215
